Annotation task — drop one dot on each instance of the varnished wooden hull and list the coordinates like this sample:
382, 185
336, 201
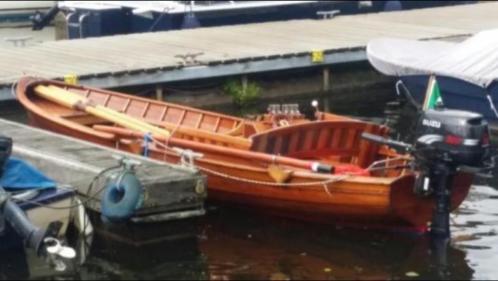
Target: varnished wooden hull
235, 178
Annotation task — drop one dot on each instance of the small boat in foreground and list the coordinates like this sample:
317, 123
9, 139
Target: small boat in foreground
34, 211
320, 170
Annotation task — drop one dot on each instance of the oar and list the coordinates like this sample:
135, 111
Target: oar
146, 126
72, 100
202, 147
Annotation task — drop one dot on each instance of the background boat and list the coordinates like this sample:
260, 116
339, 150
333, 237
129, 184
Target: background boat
103, 18
466, 72
15, 13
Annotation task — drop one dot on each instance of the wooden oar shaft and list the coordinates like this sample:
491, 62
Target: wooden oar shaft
145, 127
66, 100
155, 128
202, 147
72, 100
141, 125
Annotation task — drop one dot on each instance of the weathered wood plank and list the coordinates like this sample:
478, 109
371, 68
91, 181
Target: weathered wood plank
137, 52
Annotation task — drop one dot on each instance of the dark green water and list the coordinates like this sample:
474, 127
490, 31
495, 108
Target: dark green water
229, 244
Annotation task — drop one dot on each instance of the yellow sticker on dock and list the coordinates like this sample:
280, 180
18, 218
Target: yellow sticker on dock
317, 56
71, 79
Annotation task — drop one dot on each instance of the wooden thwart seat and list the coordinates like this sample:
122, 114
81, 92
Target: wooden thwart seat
340, 139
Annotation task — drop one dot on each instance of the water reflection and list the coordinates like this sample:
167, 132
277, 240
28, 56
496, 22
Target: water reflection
21, 264
243, 246
172, 260
145, 252
475, 231
13, 265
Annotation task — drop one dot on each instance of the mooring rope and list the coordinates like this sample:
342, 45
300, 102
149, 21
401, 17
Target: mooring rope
492, 105
325, 183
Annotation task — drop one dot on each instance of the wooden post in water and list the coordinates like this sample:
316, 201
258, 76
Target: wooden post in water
326, 88
159, 93
244, 81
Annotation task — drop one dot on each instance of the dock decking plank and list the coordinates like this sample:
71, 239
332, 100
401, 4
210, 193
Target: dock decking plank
156, 53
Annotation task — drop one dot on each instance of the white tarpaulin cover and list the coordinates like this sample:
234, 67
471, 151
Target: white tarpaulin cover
474, 60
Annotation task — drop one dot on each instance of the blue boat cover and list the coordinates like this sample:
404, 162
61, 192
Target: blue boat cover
19, 175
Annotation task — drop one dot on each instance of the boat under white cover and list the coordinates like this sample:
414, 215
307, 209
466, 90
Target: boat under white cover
474, 60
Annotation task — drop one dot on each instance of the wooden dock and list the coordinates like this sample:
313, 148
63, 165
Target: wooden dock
161, 57
172, 192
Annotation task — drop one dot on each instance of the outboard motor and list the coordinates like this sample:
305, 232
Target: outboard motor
446, 141
10, 212
34, 237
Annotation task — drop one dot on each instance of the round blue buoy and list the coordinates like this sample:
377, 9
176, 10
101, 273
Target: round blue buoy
122, 198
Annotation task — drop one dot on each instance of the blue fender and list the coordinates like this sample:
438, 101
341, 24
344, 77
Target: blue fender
121, 199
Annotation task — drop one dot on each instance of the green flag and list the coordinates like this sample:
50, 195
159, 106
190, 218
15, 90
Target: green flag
432, 95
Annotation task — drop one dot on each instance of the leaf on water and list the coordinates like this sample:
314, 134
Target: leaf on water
279, 276
358, 269
412, 274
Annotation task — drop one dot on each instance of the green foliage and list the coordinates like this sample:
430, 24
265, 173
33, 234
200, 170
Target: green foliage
242, 95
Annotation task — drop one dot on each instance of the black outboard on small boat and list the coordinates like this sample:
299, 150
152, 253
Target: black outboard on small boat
14, 217
10, 211
446, 141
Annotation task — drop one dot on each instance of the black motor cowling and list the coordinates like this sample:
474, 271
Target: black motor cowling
10, 212
454, 136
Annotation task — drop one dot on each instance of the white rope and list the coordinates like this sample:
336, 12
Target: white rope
187, 157
191, 161
385, 161
492, 105
325, 182
179, 152
166, 141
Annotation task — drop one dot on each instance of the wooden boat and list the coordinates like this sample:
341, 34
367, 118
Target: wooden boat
250, 164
